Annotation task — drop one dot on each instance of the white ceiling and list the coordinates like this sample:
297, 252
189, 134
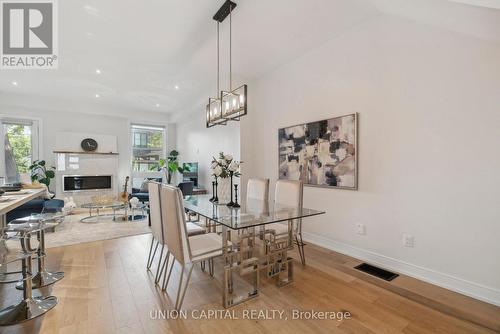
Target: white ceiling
144, 49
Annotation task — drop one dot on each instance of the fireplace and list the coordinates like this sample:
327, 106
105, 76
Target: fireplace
87, 182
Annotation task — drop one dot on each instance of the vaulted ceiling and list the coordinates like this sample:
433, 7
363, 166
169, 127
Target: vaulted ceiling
159, 55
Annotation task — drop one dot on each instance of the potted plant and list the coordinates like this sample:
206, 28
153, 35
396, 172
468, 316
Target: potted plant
171, 165
40, 173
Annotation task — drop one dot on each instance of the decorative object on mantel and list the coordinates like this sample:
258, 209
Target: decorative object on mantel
321, 154
171, 165
40, 173
89, 145
229, 105
225, 168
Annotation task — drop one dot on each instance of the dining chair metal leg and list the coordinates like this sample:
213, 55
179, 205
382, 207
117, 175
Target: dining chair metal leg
157, 276
167, 261
169, 274
151, 256
180, 285
179, 302
202, 265
164, 266
211, 267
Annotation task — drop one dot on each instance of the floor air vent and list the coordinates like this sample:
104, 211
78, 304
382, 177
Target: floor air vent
376, 271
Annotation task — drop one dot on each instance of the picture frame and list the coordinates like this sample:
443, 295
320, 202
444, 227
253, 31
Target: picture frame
321, 153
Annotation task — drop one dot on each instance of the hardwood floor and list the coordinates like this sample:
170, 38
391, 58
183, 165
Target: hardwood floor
108, 290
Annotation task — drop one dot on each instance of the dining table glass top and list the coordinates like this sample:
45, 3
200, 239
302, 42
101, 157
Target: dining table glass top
251, 213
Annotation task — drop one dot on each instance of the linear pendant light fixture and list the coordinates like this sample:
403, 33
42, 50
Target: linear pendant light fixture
230, 105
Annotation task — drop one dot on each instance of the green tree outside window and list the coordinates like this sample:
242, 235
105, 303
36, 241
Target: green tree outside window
20, 141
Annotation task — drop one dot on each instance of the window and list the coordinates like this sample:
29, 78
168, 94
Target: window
21, 144
148, 147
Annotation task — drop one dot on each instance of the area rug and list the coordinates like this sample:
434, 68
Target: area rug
72, 231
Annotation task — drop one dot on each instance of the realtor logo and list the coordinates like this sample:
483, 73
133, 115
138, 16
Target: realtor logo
29, 38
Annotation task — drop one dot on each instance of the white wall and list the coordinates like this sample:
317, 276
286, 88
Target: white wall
196, 143
55, 121
429, 117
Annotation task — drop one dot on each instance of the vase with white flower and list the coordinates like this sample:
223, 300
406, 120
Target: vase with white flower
224, 169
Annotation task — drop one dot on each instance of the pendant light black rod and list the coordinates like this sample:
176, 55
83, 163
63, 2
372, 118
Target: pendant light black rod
218, 71
230, 50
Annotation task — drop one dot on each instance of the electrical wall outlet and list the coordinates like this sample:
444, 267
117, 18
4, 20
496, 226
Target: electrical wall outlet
360, 229
408, 240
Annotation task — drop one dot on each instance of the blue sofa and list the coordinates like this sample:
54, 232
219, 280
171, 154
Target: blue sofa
144, 196
34, 206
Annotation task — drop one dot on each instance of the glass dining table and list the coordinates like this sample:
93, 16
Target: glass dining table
251, 242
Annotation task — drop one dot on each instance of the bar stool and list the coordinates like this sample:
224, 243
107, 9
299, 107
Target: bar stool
43, 277
29, 307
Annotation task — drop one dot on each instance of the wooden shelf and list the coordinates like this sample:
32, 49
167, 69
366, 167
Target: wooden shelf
83, 152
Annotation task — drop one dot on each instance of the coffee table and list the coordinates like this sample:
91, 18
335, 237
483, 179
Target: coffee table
115, 206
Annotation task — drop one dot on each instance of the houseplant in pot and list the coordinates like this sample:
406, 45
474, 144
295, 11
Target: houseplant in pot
171, 165
40, 173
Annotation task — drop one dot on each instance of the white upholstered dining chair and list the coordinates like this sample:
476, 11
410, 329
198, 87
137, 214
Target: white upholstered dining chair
187, 251
156, 226
258, 189
258, 199
290, 193
158, 229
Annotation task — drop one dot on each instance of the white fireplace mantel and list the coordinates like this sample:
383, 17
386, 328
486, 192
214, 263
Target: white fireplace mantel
71, 142
71, 160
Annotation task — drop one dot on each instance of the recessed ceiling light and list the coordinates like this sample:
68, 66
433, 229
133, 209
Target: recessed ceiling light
157, 105
98, 71
97, 96
176, 87
14, 83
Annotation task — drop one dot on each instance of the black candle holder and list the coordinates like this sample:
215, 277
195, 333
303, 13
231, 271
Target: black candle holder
214, 211
231, 203
216, 199
213, 192
236, 205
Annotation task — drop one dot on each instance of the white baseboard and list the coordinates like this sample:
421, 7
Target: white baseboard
471, 289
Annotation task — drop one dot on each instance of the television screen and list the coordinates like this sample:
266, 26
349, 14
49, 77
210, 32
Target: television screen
192, 168
192, 173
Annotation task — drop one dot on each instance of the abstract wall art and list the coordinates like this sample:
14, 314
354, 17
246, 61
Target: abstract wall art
322, 153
